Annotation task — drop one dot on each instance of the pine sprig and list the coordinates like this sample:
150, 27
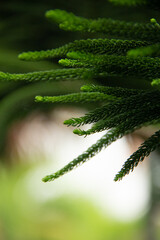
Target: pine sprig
105, 141
115, 28
51, 75
76, 97
73, 63
138, 101
115, 91
152, 51
145, 67
144, 150
94, 46
135, 116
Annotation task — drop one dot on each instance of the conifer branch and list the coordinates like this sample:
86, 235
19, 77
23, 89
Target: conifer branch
76, 97
115, 28
151, 51
148, 99
115, 91
94, 46
105, 141
145, 67
144, 150
73, 63
136, 116
51, 75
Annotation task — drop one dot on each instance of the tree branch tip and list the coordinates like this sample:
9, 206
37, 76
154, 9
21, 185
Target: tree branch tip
78, 132
39, 99
46, 178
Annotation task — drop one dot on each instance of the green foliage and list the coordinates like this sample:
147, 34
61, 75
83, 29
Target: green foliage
76, 97
51, 75
155, 82
144, 150
114, 91
132, 55
137, 102
94, 46
147, 68
114, 28
152, 51
106, 140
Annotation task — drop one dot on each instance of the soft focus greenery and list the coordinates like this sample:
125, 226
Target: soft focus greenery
22, 216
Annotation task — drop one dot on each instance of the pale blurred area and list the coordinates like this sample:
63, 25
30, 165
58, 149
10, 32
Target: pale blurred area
85, 203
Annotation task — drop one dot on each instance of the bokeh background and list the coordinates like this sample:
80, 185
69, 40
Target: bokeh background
86, 203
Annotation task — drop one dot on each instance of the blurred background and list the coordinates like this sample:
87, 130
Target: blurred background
86, 203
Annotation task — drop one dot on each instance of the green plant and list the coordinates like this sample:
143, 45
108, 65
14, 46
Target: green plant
133, 54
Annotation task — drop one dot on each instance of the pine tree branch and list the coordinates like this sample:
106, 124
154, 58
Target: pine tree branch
51, 75
93, 46
148, 99
76, 97
152, 51
115, 91
144, 150
105, 141
136, 116
145, 67
115, 28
